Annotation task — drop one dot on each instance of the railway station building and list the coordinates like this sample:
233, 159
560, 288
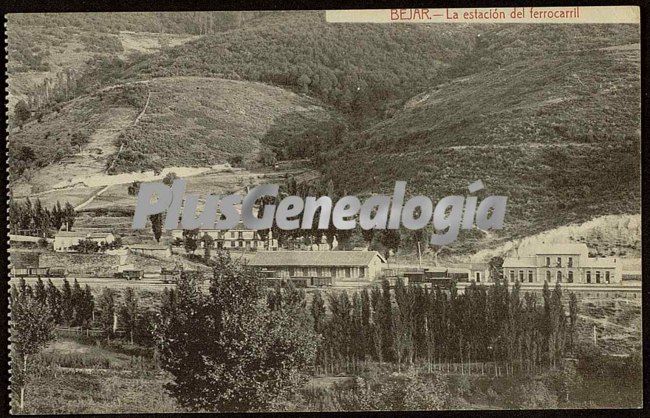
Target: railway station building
564, 263
320, 268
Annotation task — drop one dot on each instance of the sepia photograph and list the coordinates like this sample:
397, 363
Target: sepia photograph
324, 210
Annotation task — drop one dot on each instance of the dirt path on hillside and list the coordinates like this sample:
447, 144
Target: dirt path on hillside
91, 198
91, 160
529, 145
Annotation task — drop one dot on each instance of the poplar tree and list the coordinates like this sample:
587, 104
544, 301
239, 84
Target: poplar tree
387, 321
40, 293
31, 328
67, 303
106, 307
77, 302
69, 215
573, 318
128, 311
403, 320
366, 312
318, 313
87, 306
358, 334
54, 301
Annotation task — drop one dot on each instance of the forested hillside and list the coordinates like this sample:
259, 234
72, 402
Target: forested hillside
560, 137
168, 22
358, 68
184, 121
362, 68
528, 110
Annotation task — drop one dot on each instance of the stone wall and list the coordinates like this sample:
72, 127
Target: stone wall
100, 265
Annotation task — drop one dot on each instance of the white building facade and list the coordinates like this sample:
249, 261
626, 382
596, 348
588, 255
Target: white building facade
238, 238
564, 263
65, 240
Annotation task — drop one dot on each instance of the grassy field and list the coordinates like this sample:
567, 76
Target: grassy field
87, 378
78, 376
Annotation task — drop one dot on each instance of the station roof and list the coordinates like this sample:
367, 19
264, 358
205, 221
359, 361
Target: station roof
314, 258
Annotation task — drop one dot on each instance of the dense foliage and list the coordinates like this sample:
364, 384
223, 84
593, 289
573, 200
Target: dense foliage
415, 325
241, 355
27, 218
31, 328
173, 22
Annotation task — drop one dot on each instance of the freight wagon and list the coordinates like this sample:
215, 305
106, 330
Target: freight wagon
129, 274
172, 275
270, 278
39, 272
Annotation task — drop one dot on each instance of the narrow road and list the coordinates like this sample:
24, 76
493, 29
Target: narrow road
91, 198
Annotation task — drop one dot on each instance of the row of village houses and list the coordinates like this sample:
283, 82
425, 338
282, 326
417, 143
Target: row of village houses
238, 238
565, 263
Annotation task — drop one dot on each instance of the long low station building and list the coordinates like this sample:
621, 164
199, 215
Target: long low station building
320, 268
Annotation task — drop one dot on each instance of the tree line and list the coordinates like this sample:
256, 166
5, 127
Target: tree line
27, 218
415, 325
250, 347
74, 306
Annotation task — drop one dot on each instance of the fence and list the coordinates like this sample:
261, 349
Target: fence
487, 368
88, 332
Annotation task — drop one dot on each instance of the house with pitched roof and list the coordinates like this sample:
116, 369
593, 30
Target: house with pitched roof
237, 238
320, 268
65, 240
151, 250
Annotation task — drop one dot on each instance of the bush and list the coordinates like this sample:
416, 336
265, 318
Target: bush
235, 160
75, 360
21, 112
460, 385
409, 391
530, 395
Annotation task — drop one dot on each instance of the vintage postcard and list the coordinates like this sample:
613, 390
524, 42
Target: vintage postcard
308, 211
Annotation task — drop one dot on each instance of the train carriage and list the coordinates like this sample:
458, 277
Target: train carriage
38, 272
130, 274
19, 272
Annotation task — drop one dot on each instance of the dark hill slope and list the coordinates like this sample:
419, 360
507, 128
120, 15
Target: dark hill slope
196, 121
501, 45
187, 121
360, 68
171, 22
559, 137
354, 67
